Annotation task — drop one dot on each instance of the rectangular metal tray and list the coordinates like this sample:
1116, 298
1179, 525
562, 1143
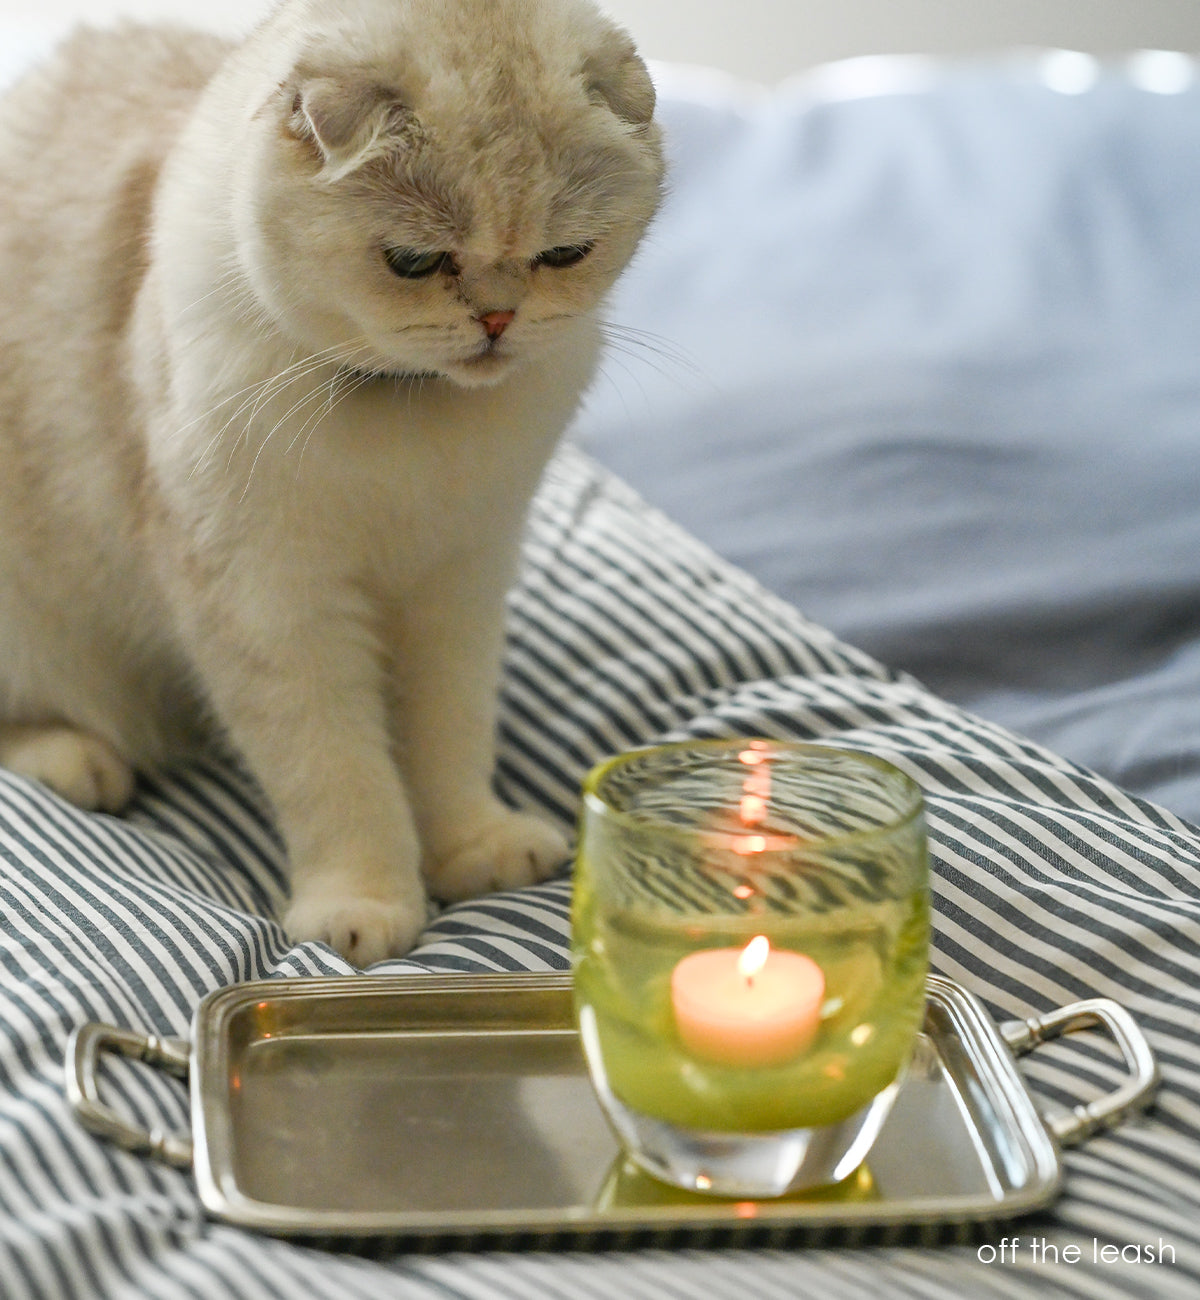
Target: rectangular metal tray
448, 1107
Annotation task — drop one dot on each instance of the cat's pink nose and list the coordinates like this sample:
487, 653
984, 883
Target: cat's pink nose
496, 322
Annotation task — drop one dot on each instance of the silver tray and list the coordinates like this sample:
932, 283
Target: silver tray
451, 1107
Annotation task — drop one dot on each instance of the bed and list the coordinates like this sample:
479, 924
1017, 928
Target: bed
896, 447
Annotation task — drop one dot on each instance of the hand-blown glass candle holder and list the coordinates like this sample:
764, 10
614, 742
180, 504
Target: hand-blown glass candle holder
750, 943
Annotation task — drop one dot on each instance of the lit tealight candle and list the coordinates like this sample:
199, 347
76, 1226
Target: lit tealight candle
750, 1006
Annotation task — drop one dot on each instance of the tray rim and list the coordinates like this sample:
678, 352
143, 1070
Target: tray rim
224, 1199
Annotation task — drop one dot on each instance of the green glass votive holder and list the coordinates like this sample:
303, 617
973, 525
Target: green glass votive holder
750, 943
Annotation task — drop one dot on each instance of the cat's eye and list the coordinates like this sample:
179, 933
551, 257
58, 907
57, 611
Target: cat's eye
565, 255
411, 264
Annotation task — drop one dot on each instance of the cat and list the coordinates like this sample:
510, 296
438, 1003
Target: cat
289, 329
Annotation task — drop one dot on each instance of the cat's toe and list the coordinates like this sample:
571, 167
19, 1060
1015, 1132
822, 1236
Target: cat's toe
515, 849
84, 769
363, 930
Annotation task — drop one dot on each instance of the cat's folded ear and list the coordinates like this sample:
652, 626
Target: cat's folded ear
617, 77
348, 123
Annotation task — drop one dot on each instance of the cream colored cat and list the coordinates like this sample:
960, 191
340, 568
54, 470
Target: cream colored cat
287, 334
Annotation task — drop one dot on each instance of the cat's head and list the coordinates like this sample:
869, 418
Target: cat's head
444, 186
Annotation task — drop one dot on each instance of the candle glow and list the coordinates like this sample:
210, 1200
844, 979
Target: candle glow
755, 799
753, 809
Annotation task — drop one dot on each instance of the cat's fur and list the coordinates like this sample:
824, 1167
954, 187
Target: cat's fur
250, 477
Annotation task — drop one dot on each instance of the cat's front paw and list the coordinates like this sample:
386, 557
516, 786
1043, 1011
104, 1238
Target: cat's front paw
363, 930
513, 850
81, 767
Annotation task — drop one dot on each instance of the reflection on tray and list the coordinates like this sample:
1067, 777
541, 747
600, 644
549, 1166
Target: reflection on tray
626, 1187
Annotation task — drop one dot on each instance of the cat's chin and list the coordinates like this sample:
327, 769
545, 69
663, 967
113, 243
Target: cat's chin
480, 371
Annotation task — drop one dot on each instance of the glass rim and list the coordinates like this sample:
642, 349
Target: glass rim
736, 840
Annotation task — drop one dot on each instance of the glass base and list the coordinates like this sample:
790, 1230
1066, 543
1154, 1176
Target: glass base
747, 1165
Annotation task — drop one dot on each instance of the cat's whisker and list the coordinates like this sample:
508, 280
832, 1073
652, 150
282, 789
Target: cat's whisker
222, 283
617, 357
602, 373
258, 394
658, 355
356, 382
318, 415
327, 353
332, 396
298, 405
644, 344
273, 388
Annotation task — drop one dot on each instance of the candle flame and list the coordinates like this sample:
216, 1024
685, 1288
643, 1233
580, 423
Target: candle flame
753, 957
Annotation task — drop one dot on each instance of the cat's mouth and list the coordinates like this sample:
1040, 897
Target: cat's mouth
472, 372
485, 365
366, 374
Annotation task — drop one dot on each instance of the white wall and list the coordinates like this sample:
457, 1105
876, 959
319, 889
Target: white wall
768, 39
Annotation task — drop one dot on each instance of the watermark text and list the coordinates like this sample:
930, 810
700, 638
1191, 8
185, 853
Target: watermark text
1037, 1250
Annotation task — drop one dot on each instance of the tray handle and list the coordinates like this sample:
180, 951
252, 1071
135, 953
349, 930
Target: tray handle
84, 1049
1073, 1126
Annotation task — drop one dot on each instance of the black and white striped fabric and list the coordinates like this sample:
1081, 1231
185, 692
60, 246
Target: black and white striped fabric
1050, 885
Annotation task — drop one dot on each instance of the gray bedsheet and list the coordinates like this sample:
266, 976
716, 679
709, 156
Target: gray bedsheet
926, 360
1048, 886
